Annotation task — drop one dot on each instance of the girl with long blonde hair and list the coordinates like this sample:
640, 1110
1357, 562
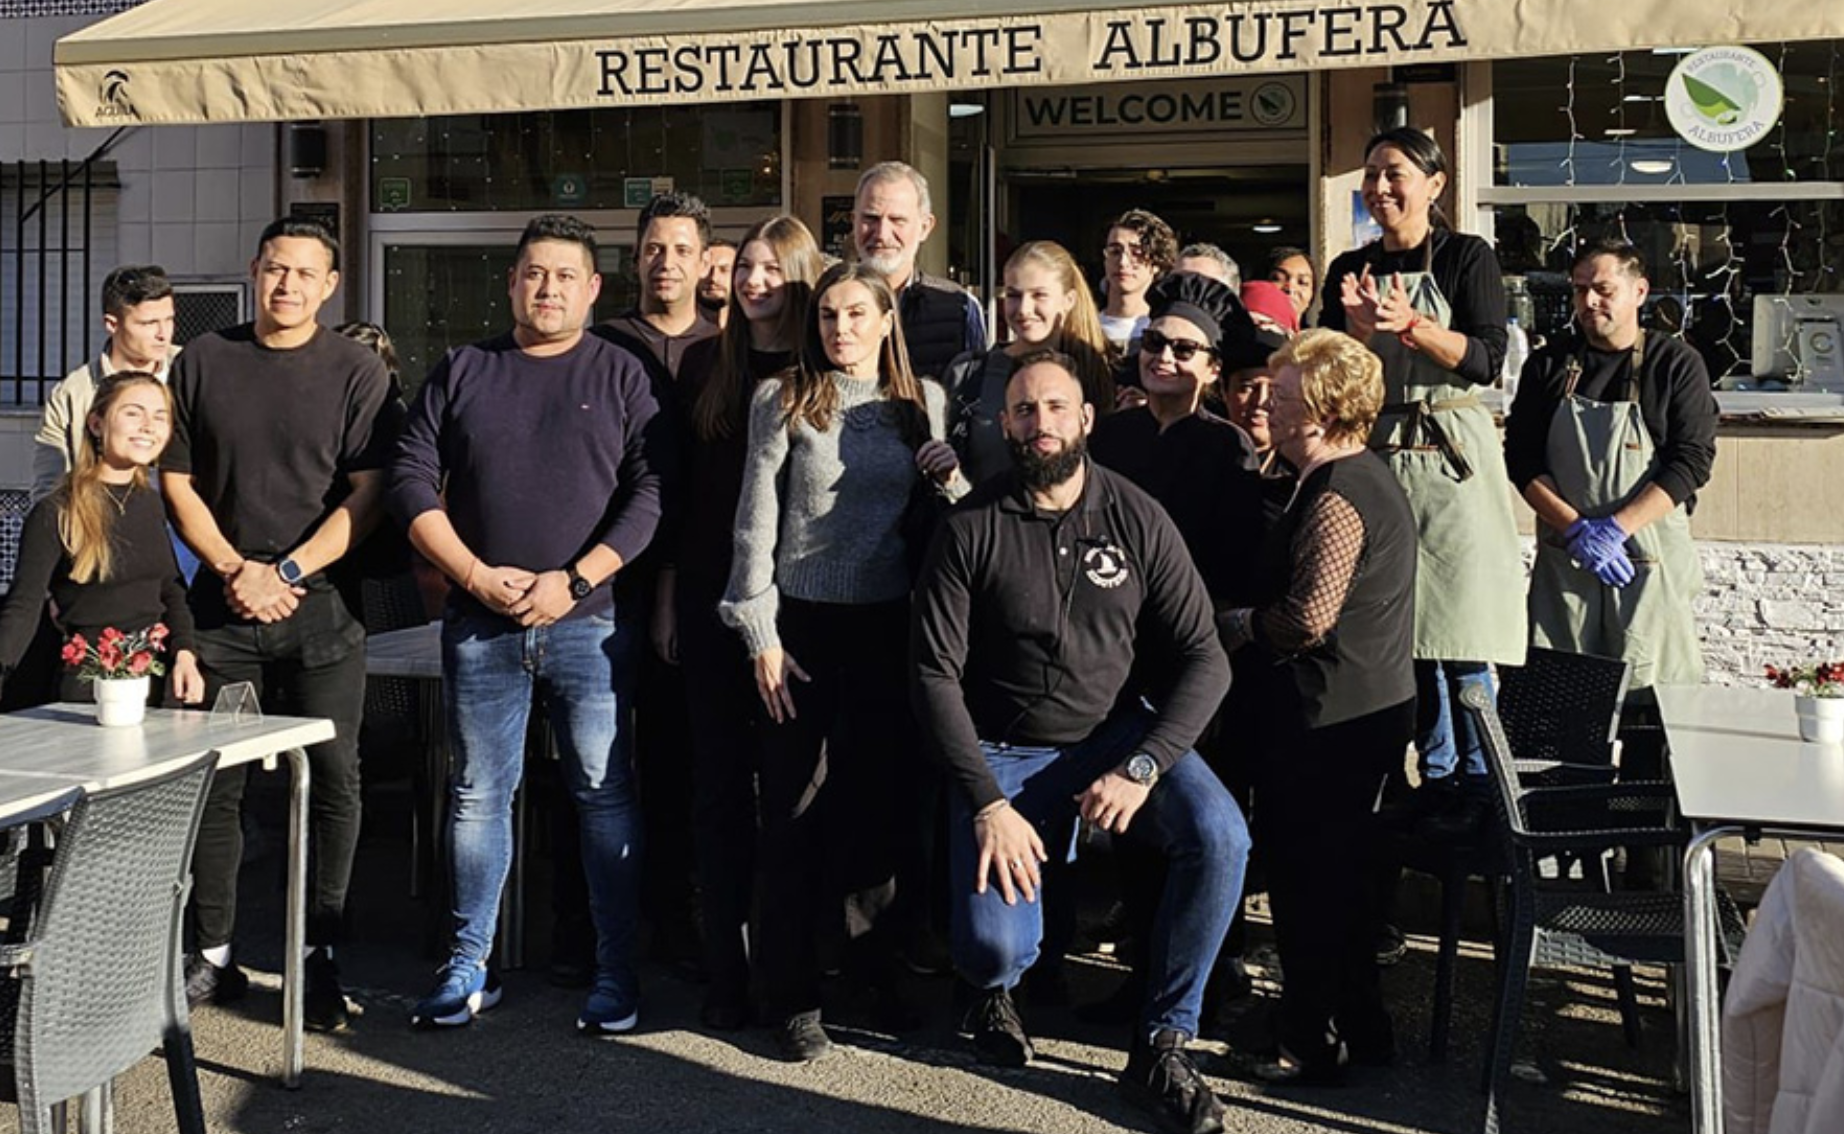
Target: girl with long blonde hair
1047, 305
98, 546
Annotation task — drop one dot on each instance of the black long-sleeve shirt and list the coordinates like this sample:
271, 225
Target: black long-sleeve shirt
1204, 471
1026, 625
1674, 398
705, 528
537, 459
144, 586
1467, 272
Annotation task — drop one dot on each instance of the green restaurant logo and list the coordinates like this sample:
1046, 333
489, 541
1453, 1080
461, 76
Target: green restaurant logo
1723, 99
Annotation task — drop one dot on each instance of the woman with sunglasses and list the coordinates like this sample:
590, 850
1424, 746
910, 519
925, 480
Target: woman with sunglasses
1205, 473
1430, 302
98, 545
1046, 304
838, 448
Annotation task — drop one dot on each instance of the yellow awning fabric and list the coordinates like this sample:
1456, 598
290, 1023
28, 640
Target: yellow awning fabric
172, 61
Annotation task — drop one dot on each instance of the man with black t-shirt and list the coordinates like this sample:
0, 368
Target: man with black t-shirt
274, 473
1019, 688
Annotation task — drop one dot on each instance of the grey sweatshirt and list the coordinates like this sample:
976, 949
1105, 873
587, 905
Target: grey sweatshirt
821, 512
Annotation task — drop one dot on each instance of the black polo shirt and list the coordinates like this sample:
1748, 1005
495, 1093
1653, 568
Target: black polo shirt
1026, 625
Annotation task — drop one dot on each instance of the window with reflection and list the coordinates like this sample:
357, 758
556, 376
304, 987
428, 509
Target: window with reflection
730, 155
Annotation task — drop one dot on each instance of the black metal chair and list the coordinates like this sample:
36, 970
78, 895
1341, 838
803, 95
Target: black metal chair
1552, 923
1560, 712
98, 983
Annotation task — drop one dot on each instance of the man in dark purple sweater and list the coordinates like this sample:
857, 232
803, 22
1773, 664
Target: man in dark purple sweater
530, 472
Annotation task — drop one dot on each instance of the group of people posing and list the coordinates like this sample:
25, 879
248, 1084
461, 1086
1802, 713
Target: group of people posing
931, 604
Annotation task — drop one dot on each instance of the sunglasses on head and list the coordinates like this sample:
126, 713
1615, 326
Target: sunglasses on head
1154, 343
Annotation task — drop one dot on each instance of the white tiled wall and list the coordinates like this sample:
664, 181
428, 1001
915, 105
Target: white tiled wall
193, 198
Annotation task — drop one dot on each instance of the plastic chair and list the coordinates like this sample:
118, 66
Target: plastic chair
99, 984
1575, 927
1560, 712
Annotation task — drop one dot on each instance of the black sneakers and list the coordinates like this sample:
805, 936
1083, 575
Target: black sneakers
1161, 1080
800, 1038
998, 1033
206, 983
325, 1008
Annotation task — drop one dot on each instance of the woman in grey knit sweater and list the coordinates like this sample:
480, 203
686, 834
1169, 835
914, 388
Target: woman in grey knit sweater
837, 448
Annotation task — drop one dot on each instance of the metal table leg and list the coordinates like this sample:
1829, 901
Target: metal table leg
294, 937
1705, 1009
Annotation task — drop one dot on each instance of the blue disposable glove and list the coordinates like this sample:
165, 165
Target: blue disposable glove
1599, 546
1616, 571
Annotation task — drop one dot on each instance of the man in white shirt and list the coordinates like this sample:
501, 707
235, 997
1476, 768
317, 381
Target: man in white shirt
137, 311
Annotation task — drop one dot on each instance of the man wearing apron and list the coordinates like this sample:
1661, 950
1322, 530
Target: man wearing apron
1612, 433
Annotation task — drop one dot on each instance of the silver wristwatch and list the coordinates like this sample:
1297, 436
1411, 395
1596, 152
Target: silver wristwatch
1141, 769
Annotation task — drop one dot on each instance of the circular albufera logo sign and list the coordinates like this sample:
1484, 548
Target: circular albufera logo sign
1723, 99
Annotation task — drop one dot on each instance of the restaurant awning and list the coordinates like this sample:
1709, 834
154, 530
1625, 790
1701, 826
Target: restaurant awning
236, 60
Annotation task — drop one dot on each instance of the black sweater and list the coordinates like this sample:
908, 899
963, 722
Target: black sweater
536, 460
1674, 398
1026, 625
1467, 272
144, 586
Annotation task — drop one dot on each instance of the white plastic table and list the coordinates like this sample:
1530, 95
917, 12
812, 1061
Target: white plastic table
1740, 769
59, 748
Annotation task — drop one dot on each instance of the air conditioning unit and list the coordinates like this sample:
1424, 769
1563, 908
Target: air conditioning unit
202, 306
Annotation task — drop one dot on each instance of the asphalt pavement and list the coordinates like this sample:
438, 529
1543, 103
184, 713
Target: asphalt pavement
522, 1068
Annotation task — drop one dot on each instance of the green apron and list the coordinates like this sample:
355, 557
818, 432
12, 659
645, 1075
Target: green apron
1600, 455
1445, 450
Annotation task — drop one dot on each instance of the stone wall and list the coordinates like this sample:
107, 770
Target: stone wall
1766, 603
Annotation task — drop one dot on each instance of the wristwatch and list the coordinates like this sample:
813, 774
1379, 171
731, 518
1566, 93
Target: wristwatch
291, 572
1141, 769
579, 586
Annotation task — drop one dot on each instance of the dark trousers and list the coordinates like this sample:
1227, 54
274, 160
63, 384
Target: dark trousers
725, 746
829, 785
311, 664
1318, 830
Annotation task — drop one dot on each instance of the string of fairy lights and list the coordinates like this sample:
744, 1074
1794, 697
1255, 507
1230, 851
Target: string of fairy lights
1710, 277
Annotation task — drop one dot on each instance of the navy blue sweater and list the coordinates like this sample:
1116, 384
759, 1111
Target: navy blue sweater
537, 459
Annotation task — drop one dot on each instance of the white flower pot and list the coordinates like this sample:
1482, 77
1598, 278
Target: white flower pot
120, 701
1821, 719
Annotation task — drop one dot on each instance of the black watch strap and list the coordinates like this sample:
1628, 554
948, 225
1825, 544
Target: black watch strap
580, 587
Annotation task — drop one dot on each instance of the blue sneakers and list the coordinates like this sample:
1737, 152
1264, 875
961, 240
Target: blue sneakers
606, 1013
466, 988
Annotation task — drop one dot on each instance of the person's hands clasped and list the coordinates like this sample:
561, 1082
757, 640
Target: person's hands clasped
256, 590
498, 588
775, 668
545, 601
1599, 545
1011, 852
1112, 801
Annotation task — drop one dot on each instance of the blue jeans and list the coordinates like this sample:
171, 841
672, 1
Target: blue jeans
584, 670
1189, 818
1445, 735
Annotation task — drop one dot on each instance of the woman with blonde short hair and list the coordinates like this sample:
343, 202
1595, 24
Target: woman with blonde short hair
1331, 637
